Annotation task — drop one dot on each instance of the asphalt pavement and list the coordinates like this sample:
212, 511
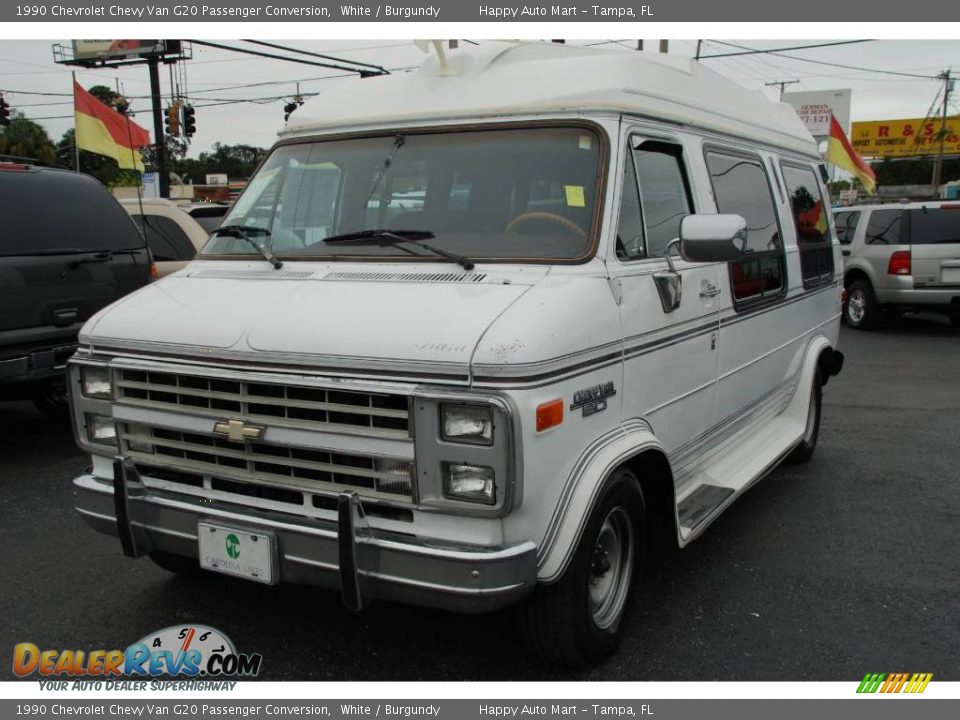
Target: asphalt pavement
824, 571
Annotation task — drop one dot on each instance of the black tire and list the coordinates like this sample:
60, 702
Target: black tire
804, 451
177, 564
860, 311
955, 319
51, 400
577, 621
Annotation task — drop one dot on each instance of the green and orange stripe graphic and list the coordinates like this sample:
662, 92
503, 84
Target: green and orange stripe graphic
894, 682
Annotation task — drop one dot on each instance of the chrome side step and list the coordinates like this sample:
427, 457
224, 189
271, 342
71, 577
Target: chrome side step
700, 504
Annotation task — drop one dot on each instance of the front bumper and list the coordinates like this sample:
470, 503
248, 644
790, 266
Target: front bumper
346, 555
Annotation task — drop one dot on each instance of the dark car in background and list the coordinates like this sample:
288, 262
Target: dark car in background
67, 249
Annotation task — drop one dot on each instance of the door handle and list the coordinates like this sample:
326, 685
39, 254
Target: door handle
846, 253
707, 289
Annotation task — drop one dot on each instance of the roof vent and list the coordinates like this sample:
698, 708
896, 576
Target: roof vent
406, 277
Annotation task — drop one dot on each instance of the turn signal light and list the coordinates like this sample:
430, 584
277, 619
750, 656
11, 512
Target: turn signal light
549, 414
153, 271
899, 263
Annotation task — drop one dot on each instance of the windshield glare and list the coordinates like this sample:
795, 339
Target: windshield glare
522, 193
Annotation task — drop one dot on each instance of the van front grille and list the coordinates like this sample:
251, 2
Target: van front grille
257, 462
371, 414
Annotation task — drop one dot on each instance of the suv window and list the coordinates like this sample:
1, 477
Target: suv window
810, 220
884, 227
741, 187
46, 211
166, 239
933, 226
846, 223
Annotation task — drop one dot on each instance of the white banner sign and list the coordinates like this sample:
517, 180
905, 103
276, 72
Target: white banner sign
815, 107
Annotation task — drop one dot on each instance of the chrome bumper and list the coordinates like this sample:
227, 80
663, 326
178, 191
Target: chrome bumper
346, 555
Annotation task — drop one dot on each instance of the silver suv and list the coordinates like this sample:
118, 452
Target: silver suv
903, 257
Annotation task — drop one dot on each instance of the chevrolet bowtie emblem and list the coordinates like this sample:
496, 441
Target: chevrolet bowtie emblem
238, 431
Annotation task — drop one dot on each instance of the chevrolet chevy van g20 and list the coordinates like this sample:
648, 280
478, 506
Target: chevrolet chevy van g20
471, 335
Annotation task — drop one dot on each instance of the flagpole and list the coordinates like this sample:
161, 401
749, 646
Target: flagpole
76, 144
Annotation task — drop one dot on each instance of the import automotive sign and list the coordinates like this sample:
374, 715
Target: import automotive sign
814, 109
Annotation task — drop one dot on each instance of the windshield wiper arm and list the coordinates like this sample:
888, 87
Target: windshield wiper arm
240, 231
409, 237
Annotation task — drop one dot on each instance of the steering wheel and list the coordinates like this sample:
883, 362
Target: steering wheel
551, 217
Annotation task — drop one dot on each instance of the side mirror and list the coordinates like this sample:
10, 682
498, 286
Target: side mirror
713, 238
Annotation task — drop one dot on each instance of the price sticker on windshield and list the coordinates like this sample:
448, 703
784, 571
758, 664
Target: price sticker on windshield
575, 196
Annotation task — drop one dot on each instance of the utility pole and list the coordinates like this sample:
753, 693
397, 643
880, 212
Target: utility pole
163, 175
938, 160
783, 85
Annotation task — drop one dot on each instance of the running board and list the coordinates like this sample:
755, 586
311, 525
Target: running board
699, 505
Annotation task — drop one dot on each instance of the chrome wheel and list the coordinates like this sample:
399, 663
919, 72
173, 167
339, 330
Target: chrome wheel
856, 306
611, 568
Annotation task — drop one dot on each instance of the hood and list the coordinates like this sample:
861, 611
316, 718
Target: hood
394, 321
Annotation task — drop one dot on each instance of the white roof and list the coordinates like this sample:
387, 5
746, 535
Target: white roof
497, 79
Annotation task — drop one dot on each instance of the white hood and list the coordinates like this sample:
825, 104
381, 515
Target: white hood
418, 319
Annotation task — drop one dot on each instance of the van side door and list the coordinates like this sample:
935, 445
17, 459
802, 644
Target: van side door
670, 357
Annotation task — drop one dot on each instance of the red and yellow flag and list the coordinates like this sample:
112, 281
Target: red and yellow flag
841, 153
104, 131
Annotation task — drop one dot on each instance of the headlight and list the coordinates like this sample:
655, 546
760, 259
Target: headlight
471, 424
472, 483
95, 382
100, 429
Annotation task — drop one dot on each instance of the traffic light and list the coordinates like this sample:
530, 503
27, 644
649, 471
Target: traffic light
189, 121
171, 119
4, 112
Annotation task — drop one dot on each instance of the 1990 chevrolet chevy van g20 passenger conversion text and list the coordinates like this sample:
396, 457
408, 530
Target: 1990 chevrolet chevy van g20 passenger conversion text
470, 334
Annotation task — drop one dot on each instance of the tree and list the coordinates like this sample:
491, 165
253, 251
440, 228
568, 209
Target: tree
237, 161
25, 139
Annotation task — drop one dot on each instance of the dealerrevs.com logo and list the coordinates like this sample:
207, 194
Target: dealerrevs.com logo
187, 651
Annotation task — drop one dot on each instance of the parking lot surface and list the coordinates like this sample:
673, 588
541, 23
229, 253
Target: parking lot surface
823, 571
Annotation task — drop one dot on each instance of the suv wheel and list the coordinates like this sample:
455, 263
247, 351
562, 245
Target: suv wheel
860, 310
51, 400
576, 621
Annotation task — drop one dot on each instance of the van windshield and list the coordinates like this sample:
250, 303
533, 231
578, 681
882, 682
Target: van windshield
508, 194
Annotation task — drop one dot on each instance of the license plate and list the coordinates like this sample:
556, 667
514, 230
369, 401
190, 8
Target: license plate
241, 553
950, 275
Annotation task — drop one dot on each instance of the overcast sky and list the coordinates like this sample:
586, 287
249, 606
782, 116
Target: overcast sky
27, 67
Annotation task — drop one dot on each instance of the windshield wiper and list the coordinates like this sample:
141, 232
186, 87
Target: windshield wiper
240, 231
395, 237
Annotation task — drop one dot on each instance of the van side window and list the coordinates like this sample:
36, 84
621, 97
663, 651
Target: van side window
884, 227
664, 193
741, 187
630, 240
811, 222
846, 223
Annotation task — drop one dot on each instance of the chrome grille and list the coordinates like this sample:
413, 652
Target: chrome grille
257, 462
298, 406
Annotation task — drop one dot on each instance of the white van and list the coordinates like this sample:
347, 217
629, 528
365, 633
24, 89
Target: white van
472, 335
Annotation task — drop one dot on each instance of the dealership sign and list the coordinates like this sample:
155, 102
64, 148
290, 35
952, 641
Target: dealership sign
905, 138
121, 49
815, 109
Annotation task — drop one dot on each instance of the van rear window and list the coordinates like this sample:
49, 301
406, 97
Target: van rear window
934, 226
46, 212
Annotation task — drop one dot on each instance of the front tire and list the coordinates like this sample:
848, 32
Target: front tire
804, 451
577, 621
860, 311
51, 400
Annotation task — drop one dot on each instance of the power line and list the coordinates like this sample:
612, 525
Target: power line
752, 51
271, 56
382, 70
778, 53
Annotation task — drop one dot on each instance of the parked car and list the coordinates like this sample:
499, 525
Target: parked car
610, 310
67, 249
208, 214
173, 235
900, 257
